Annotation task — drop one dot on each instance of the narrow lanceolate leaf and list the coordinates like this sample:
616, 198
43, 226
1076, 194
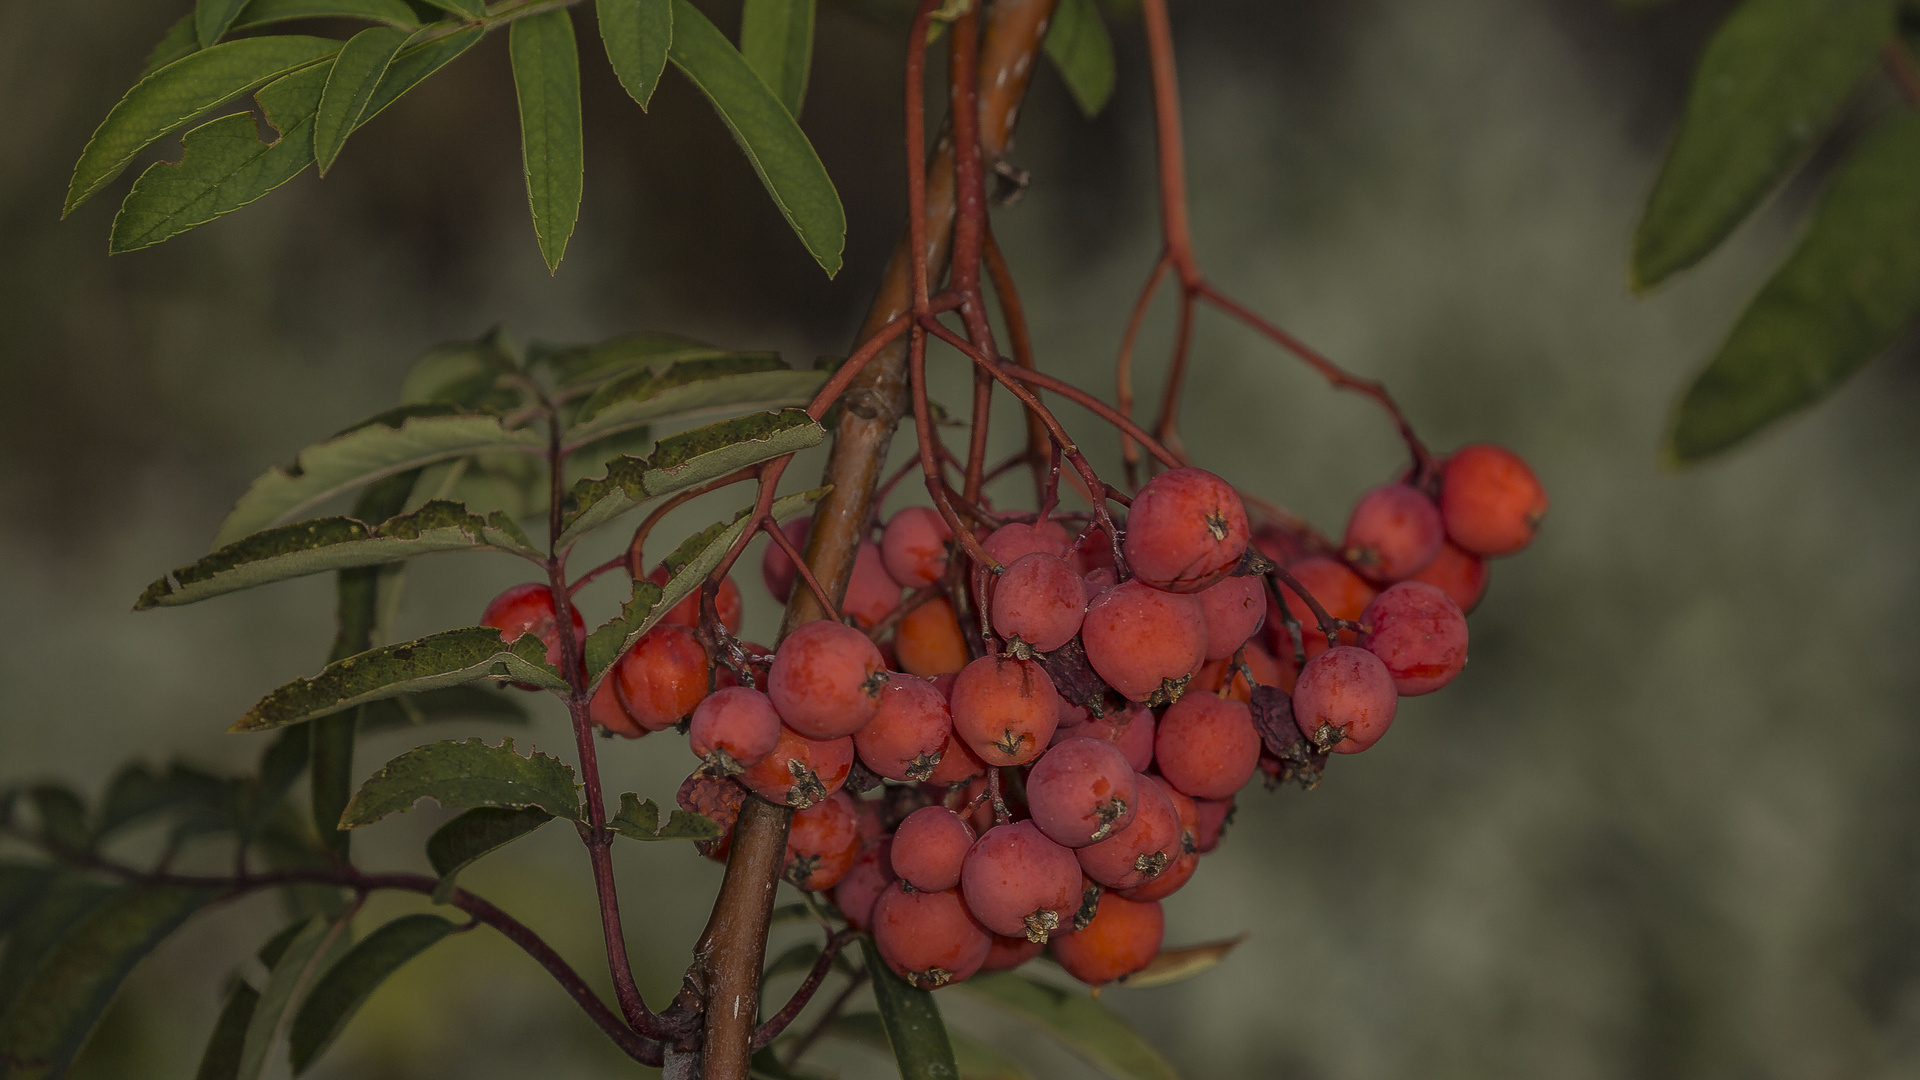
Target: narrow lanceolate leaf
181, 39
1179, 965
167, 99
352, 980
415, 63
136, 794
636, 34
472, 9
1082, 53
449, 658
776, 37
475, 834
584, 365
363, 454
546, 79
462, 775
975, 1060
1839, 300
54, 1012
1083, 1024
690, 387
212, 17
766, 131
356, 73
221, 1059
1769, 85
266, 12
62, 901
639, 820
297, 958
912, 1021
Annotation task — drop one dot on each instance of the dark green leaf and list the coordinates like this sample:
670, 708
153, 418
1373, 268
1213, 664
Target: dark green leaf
636, 34
974, 1059
1769, 85
473, 701
181, 39
57, 1007
449, 658
265, 12
1082, 53
585, 365
20, 887
1839, 300
275, 947
63, 900
776, 37
1077, 1020
355, 74
301, 962
546, 78
221, 1060
280, 765
912, 1021
63, 816
766, 132
477, 833
461, 775
212, 17
472, 9
464, 373
641, 821
692, 387
166, 100
415, 63
354, 977
136, 793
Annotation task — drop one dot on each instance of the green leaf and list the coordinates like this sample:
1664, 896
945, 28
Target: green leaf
21, 885
1769, 85
355, 74
776, 37
415, 63
974, 1059
584, 365
471, 9
461, 775
473, 701
1170, 966
221, 1060
641, 821
767, 134
360, 455
212, 17
691, 387
464, 373
57, 1008
912, 1021
448, 658
354, 977
181, 40
546, 79
636, 34
136, 793
1840, 299
63, 817
265, 12
1077, 1020
166, 100
297, 958
479, 832
65, 898
1082, 53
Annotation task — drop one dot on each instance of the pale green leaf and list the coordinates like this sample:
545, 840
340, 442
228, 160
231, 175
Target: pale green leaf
579, 366
221, 1059
351, 82
352, 980
296, 958
1077, 1020
546, 80
465, 373
212, 17
975, 1059
1178, 965
1082, 53
137, 793
776, 37
475, 834
911, 1018
266, 12
693, 386
462, 775
636, 34
639, 820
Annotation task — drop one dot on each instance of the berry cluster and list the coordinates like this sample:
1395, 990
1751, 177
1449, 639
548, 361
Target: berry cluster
974, 794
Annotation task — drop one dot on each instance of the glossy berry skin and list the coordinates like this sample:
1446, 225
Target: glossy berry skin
1234, 610
1490, 501
1005, 709
605, 710
1130, 729
732, 729
1214, 817
800, 771
1419, 634
1138, 853
1459, 573
871, 593
822, 843
1206, 746
1393, 532
872, 872
913, 547
826, 680
1018, 882
1007, 953
1039, 601
928, 642
663, 677
908, 733
958, 764
1011, 541
930, 846
1186, 530
928, 938
777, 571
1342, 592
1348, 692
1123, 937
527, 609
1082, 791
1144, 642
726, 603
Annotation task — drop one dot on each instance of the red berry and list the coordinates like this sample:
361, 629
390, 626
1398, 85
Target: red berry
1267, 671
718, 799
1460, 574
913, 547
928, 938
871, 874
1130, 729
529, 609
1185, 863
1342, 592
1144, 642
822, 843
1123, 937
1215, 815
1234, 610
1098, 581
1283, 546
606, 711
1009, 542
1394, 532
726, 603
1419, 634
1005, 709
1207, 746
928, 641
1344, 700
1138, 853
1038, 602
1186, 530
732, 729
1082, 791
1092, 553
1490, 500
800, 771
871, 593
929, 848
1008, 953
826, 680
872, 825
1016, 881
776, 568
958, 764
662, 677
908, 733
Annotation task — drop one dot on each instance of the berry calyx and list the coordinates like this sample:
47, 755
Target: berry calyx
1019, 883
1005, 709
1344, 700
822, 844
1138, 853
1393, 532
800, 771
1185, 531
826, 680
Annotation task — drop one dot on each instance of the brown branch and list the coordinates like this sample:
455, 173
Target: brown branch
777, 1023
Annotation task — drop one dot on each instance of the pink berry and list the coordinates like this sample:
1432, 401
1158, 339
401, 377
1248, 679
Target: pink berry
1039, 601
1186, 530
1082, 791
1207, 746
1394, 532
913, 546
1419, 634
929, 848
1344, 700
1144, 642
1234, 610
1016, 881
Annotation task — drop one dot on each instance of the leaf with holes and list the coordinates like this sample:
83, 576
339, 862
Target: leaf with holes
1082, 53
352, 980
1084, 1025
463, 775
692, 387
636, 34
641, 821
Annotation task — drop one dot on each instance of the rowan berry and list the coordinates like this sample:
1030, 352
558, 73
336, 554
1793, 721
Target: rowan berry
958, 764
777, 570
1267, 671
913, 546
1206, 746
662, 677
1016, 881
928, 938
527, 609
1092, 553
1342, 592
605, 710
871, 593
871, 874
1123, 937
1344, 700
1234, 610
1082, 791
1419, 634
800, 771
726, 603
1393, 532
822, 843
1185, 863
1185, 531
1007, 953
928, 641
1215, 815
1459, 573
732, 729
1038, 603
1005, 709
826, 679
1010, 541
929, 848
1284, 546
717, 799
1098, 581
1490, 500
1130, 729
908, 733
1138, 853
873, 825
1144, 642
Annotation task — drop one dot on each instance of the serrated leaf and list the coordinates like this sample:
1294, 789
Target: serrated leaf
546, 80
767, 134
54, 1012
636, 34
299, 956
448, 658
473, 702
1083, 1024
221, 1059
462, 775
180, 40
1769, 86
1840, 299
464, 373
361, 455
354, 977
351, 82
1082, 53
266, 12
1178, 965
583, 365
776, 37
415, 63
974, 1059
639, 820
693, 386
479, 832
912, 1022
471, 9
212, 17
167, 99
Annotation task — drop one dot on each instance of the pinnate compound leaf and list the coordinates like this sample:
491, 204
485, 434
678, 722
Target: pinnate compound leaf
912, 1022
463, 775
1839, 300
475, 834
1770, 84
1077, 1020
474, 701
776, 37
221, 1059
767, 134
296, 957
693, 386
267, 12
448, 658
636, 34
167, 99
471, 9
58, 1005
1179, 965
212, 17
639, 820
975, 1060
1082, 53
546, 79
352, 980
415, 63
351, 82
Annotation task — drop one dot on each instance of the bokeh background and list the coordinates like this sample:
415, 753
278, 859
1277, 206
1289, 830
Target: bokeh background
1665, 824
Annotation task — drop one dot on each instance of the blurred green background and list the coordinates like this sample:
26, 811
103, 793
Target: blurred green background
1665, 825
